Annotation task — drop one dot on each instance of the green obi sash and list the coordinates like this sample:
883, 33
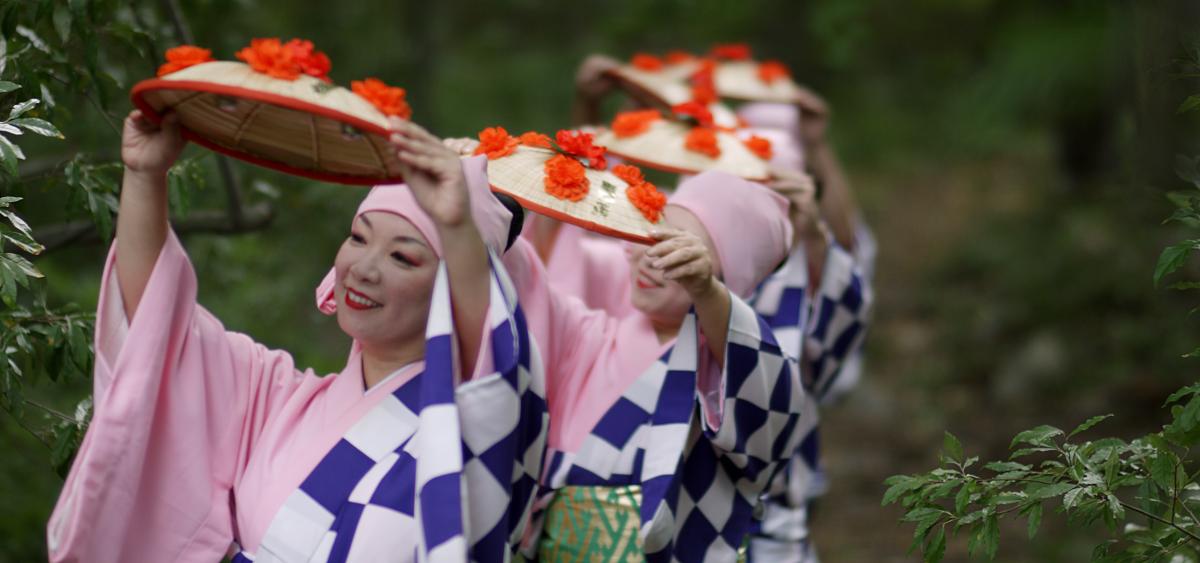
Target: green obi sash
596, 525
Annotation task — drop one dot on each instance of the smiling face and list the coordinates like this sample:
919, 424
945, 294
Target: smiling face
665, 302
384, 282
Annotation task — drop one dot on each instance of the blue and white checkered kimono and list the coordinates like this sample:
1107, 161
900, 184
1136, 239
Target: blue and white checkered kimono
700, 484
825, 332
434, 472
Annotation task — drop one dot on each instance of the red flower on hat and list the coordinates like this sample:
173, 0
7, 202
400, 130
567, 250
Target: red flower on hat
630, 123
495, 142
731, 51
629, 173
535, 139
565, 178
579, 144
647, 199
695, 110
389, 100
311, 62
183, 56
759, 146
702, 140
704, 85
770, 71
647, 62
675, 57
287, 61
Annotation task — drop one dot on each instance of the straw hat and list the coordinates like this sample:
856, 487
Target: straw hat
757, 82
663, 144
607, 208
666, 86
298, 123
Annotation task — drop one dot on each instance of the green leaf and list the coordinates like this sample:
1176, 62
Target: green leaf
1039, 436
899, 485
16, 221
38, 126
935, 550
963, 498
62, 22
6, 86
1162, 470
1192, 102
1035, 518
1072, 497
1006, 466
1088, 424
952, 447
1114, 507
1172, 258
1051, 490
20, 109
9, 155
1193, 389
25, 243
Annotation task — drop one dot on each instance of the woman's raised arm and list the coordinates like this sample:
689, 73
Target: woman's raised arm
148, 151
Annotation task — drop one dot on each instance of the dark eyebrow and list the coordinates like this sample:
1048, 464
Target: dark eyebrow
406, 239
364, 219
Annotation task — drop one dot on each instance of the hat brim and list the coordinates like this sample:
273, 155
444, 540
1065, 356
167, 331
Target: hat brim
661, 147
604, 211
666, 88
740, 81
272, 127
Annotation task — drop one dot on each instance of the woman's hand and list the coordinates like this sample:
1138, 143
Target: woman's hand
685, 260
803, 210
591, 79
433, 171
148, 149
464, 146
814, 118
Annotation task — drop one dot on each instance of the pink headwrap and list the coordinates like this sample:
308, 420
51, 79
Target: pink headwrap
490, 216
747, 222
770, 115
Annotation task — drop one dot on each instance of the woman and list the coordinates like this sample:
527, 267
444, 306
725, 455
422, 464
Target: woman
666, 424
202, 437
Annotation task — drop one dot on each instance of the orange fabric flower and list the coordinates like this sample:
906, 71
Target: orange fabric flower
731, 51
580, 144
630, 123
269, 57
702, 140
647, 199
647, 62
630, 173
759, 146
535, 139
675, 57
695, 110
495, 142
704, 85
770, 71
389, 100
311, 62
287, 61
183, 56
565, 178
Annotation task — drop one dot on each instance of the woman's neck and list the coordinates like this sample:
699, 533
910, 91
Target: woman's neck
377, 366
665, 332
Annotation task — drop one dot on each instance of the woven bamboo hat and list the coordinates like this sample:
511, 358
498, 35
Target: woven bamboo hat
663, 83
279, 110
767, 81
670, 144
568, 179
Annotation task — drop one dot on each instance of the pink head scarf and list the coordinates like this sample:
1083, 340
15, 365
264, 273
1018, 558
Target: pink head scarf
770, 115
747, 222
490, 216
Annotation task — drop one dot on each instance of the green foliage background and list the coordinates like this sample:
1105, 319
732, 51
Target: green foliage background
1013, 155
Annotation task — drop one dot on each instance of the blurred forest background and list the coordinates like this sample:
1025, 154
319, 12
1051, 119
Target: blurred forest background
1014, 158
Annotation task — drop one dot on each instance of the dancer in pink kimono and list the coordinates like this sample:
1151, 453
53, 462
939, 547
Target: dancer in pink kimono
667, 423
205, 443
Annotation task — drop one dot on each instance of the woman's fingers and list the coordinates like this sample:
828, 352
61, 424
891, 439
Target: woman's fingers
665, 247
678, 257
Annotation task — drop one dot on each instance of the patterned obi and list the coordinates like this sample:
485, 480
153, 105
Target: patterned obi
593, 524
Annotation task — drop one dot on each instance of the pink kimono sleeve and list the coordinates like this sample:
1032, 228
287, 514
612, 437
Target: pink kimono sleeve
178, 404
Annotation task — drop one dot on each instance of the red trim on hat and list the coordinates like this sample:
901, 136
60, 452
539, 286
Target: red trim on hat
137, 96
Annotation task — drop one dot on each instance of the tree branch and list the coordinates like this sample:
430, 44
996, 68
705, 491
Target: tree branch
256, 217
